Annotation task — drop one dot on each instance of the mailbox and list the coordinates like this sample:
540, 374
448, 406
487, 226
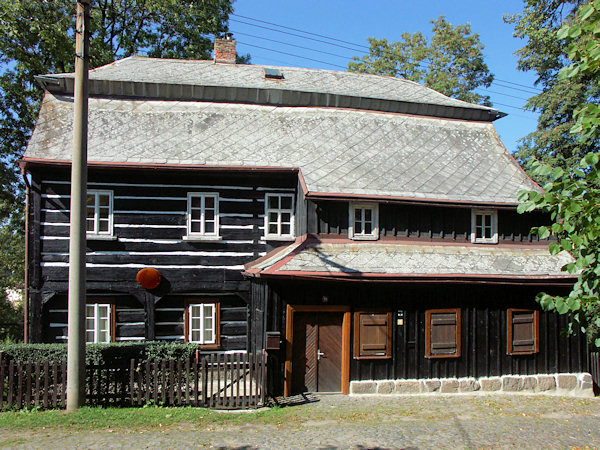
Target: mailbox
273, 340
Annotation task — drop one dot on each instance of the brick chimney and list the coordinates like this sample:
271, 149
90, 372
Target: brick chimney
225, 49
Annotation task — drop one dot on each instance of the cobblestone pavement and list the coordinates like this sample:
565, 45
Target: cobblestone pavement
368, 422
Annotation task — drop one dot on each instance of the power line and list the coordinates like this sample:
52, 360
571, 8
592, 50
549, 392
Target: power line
301, 31
536, 90
296, 56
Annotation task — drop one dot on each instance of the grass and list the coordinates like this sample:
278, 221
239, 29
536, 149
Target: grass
381, 411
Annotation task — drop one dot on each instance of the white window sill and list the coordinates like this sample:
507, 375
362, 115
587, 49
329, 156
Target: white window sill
484, 241
364, 238
191, 237
272, 237
100, 237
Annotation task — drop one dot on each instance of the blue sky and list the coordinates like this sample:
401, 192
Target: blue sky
353, 21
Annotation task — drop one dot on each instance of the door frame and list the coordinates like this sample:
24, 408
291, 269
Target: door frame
289, 333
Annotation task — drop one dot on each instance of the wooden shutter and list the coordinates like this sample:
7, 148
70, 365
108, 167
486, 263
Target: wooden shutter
442, 333
372, 335
522, 331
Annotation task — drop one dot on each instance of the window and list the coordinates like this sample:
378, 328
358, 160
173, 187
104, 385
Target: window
523, 331
372, 335
363, 221
279, 216
99, 213
442, 333
99, 324
202, 324
203, 215
484, 226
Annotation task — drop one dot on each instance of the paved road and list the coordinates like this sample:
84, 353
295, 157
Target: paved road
370, 422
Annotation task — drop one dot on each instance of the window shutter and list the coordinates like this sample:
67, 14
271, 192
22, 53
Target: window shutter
372, 335
442, 334
522, 331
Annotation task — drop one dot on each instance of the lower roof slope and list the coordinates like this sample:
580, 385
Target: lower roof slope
310, 257
338, 151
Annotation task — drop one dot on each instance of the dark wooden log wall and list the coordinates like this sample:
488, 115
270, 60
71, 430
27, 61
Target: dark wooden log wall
130, 318
484, 333
149, 225
401, 221
169, 316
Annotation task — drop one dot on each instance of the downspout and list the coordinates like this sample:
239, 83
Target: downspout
26, 269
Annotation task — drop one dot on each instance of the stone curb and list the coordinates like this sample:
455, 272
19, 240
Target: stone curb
570, 384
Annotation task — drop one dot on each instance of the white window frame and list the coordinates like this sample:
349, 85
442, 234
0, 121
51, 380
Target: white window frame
202, 234
96, 318
201, 329
95, 231
494, 226
279, 211
362, 236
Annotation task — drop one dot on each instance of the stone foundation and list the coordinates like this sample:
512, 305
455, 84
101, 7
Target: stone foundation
571, 384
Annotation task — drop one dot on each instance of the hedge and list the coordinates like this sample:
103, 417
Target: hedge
100, 353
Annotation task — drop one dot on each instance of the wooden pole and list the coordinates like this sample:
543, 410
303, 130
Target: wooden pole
76, 319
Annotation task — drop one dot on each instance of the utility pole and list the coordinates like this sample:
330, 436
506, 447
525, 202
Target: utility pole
76, 338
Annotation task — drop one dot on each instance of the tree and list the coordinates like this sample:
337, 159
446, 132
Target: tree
451, 62
36, 37
545, 54
572, 196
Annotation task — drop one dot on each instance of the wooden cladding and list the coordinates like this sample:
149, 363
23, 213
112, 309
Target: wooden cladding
442, 333
523, 329
372, 335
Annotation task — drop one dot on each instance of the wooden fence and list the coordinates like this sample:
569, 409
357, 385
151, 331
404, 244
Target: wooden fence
222, 381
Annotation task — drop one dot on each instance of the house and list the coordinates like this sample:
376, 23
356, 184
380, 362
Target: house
357, 227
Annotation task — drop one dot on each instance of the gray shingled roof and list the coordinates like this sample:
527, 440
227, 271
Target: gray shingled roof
338, 151
142, 70
417, 260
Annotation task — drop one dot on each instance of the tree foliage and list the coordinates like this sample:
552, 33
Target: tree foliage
545, 54
451, 62
572, 195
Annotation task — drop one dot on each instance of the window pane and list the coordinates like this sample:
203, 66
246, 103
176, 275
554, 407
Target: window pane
286, 217
209, 227
89, 225
358, 229
285, 229
195, 336
104, 199
272, 228
273, 202
196, 214
368, 228
89, 212
273, 216
196, 202
488, 220
103, 336
208, 337
89, 336
209, 214
488, 233
286, 202
368, 214
358, 215
104, 212
91, 200
89, 323
479, 220
103, 225
195, 227
195, 323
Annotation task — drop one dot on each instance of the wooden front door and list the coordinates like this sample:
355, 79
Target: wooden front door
317, 351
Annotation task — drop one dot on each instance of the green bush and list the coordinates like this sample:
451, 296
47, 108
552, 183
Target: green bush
100, 353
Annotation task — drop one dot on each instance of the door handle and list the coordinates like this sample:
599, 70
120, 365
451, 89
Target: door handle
319, 354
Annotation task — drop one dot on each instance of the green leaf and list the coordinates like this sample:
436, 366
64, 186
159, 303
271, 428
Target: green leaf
561, 306
554, 248
543, 232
